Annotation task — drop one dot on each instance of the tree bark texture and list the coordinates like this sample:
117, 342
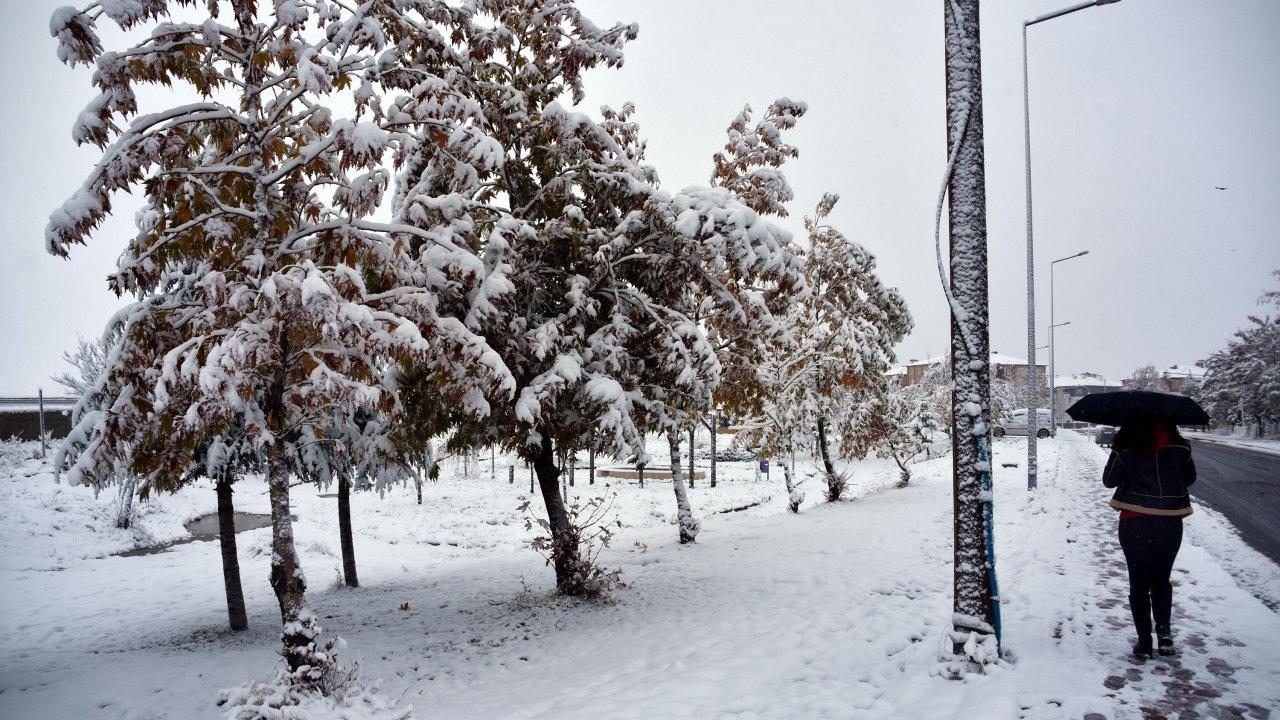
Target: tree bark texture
794, 496
344, 530
564, 539
835, 483
236, 614
684, 513
286, 572
714, 428
692, 429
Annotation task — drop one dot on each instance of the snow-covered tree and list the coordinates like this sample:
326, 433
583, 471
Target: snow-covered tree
1242, 381
268, 301
88, 361
835, 345
224, 459
362, 452
847, 326
1145, 378
893, 425
595, 262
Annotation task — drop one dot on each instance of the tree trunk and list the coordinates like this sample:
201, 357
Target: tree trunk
564, 538
692, 429
591, 460
905, 477
714, 428
286, 573
835, 483
124, 503
417, 485
975, 613
794, 496
684, 514
344, 531
230, 560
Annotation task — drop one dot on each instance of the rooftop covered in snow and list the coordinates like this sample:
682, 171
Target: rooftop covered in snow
997, 358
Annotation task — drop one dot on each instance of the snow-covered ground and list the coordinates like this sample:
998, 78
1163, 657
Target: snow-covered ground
1267, 445
836, 612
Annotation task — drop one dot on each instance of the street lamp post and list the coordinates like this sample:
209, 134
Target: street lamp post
1053, 346
1052, 370
1031, 280
1053, 404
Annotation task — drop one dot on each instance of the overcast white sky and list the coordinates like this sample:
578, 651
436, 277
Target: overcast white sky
1139, 110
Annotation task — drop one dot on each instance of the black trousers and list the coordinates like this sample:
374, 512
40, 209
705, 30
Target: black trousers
1150, 545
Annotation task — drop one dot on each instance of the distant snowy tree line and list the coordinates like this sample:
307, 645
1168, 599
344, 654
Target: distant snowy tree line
1241, 383
531, 287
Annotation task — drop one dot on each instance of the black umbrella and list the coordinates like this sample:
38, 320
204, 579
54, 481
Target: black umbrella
1118, 408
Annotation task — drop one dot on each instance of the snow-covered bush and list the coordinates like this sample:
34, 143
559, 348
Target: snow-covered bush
334, 693
14, 451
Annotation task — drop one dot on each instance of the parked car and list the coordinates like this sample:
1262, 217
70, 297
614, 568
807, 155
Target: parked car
1017, 424
1104, 434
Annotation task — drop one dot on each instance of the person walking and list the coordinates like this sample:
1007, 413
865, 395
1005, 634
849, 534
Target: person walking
1150, 468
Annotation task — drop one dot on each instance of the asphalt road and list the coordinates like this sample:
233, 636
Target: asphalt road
1243, 485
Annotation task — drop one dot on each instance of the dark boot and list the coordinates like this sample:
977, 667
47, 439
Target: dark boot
1142, 650
1165, 639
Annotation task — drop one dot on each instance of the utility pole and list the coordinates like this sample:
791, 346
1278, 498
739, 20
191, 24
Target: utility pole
44, 445
975, 636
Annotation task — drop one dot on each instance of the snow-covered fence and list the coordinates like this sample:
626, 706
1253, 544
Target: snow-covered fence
20, 417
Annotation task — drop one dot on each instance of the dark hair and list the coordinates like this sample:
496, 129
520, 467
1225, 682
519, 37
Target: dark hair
1139, 434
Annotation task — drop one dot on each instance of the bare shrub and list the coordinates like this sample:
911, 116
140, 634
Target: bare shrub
589, 522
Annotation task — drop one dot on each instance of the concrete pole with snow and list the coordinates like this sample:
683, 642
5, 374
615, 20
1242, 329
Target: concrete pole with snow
975, 622
44, 447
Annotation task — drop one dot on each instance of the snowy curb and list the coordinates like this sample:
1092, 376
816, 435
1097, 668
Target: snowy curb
1266, 447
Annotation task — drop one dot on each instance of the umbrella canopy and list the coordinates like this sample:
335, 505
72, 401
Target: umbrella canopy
1118, 408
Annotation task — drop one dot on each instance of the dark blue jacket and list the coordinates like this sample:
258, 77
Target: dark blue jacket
1152, 484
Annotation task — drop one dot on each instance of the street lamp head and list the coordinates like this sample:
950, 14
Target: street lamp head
1069, 257
1066, 11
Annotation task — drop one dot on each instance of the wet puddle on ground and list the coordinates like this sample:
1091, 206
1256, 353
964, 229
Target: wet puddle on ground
204, 527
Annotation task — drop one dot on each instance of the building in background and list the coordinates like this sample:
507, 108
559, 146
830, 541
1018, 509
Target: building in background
1170, 379
1069, 388
1006, 367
